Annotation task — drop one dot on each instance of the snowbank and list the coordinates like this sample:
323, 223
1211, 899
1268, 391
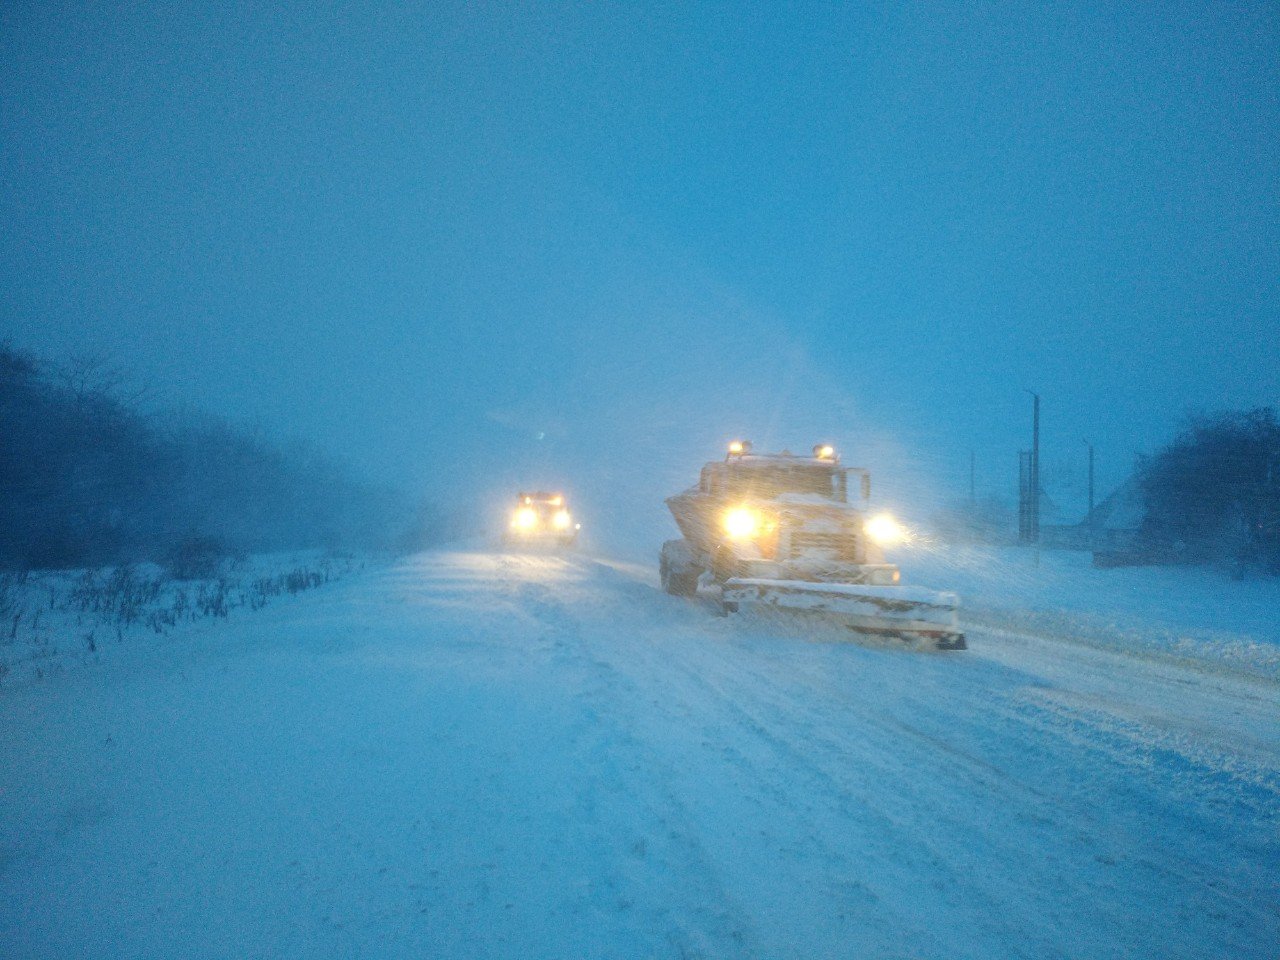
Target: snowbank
1191, 612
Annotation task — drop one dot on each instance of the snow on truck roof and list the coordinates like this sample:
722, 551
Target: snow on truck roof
799, 499
783, 457
761, 461
540, 496
744, 450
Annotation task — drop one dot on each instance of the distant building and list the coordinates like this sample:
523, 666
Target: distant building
1112, 526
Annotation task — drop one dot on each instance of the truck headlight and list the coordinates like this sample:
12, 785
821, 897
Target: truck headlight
526, 518
884, 530
561, 520
742, 523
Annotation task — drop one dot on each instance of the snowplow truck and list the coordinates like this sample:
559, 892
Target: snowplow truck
780, 531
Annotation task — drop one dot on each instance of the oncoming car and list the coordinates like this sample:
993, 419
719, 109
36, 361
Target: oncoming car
542, 518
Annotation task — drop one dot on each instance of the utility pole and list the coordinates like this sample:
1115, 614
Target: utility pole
1089, 515
1024, 496
1034, 506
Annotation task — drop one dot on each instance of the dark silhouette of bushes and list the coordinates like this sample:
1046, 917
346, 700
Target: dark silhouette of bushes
88, 480
1213, 494
196, 557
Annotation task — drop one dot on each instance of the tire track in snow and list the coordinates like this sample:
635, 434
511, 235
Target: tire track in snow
818, 787
819, 782
662, 843
825, 757
1164, 863
1224, 720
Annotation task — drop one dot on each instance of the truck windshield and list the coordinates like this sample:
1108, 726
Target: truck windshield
772, 480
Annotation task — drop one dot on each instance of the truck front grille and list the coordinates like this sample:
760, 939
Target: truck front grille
824, 546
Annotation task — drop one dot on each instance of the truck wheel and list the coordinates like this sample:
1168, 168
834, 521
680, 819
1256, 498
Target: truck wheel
680, 584
725, 565
676, 569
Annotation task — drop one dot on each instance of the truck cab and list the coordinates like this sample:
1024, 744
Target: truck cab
782, 516
779, 530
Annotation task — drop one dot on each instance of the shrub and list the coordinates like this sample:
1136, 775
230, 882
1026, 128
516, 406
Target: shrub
196, 557
1213, 494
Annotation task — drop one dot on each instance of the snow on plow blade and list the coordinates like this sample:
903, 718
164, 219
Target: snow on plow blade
910, 613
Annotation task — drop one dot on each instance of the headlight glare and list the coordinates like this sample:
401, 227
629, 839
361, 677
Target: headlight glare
885, 530
742, 523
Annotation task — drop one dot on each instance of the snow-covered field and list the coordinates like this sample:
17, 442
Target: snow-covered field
472, 754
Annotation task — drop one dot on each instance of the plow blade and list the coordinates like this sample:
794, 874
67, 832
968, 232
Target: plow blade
908, 613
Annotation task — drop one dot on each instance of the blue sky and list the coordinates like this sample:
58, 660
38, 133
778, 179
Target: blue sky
458, 242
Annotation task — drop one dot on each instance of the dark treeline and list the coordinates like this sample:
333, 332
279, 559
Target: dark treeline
89, 479
1213, 494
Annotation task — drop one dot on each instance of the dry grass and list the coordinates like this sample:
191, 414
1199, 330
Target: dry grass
44, 618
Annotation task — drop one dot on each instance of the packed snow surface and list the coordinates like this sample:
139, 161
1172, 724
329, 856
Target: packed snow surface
475, 754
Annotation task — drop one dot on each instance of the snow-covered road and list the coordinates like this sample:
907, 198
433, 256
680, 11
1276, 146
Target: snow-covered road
486, 755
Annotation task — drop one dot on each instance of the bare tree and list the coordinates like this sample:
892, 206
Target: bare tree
91, 377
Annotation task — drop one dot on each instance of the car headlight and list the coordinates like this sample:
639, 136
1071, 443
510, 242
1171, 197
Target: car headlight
526, 518
884, 530
561, 520
742, 523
